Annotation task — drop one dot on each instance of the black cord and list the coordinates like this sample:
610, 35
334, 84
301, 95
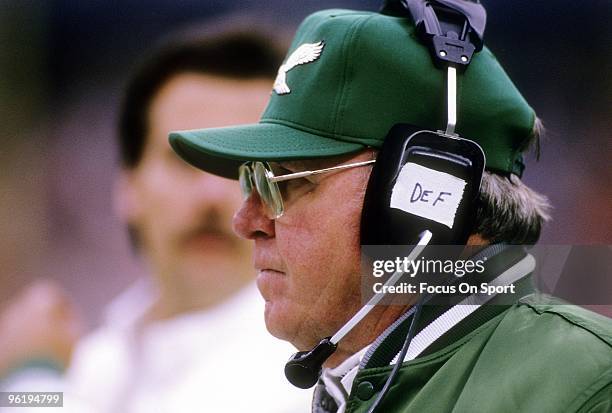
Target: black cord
486, 253
400, 358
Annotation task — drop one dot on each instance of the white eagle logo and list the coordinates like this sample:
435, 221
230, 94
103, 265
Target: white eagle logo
306, 53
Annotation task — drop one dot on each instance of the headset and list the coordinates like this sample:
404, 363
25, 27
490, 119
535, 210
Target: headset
424, 185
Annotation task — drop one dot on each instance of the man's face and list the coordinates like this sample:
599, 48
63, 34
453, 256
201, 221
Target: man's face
308, 260
182, 215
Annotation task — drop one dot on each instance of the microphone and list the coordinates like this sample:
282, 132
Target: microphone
304, 367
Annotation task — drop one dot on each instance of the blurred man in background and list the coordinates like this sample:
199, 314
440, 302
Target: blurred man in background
175, 342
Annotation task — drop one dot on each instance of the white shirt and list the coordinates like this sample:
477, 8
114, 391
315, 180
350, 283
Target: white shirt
339, 380
218, 360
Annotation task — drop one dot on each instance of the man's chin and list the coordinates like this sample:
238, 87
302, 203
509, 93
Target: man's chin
276, 322
287, 329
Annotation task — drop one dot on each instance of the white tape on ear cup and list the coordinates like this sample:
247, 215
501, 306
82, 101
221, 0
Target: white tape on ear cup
428, 193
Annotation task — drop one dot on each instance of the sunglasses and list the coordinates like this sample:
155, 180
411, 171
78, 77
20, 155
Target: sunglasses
259, 175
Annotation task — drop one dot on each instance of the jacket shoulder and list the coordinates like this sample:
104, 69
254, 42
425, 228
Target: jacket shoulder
589, 325
556, 355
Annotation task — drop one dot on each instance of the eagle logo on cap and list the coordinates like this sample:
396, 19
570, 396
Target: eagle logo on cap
306, 53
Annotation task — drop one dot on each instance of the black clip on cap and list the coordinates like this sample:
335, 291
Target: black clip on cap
304, 368
453, 29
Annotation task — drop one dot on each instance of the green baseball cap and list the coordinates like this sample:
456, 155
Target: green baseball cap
348, 77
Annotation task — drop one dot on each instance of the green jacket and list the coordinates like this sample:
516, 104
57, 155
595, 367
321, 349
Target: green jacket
537, 355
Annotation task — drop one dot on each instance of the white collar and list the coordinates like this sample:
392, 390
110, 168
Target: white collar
462, 310
339, 380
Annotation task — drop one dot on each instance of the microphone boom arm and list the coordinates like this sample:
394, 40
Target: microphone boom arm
424, 239
304, 368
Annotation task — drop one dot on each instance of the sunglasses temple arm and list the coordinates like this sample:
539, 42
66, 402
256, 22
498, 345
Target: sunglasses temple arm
319, 171
291, 176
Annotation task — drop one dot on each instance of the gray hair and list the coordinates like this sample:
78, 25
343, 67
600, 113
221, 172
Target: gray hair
508, 210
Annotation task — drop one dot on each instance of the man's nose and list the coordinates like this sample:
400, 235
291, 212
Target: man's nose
250, 221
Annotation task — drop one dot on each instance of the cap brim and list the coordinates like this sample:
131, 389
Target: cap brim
221, 150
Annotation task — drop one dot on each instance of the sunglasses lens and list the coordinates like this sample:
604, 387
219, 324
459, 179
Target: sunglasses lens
268, 191
244, 178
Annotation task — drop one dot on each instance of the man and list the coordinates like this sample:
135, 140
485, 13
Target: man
348, 77
180, 341
162, 352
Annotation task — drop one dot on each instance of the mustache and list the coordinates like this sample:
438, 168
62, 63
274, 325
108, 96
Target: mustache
212, 224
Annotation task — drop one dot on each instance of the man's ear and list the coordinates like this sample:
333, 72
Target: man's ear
126, 200
477, 240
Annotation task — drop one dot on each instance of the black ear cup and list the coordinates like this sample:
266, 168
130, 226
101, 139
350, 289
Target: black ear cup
425, 163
